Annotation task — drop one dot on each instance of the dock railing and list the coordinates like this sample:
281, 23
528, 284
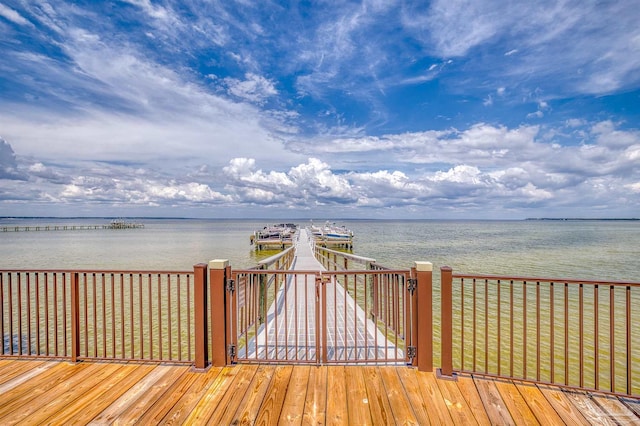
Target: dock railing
578, 334
335, 260
100, 315
582, 334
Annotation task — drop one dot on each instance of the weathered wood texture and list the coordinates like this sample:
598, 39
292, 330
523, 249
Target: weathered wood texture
37, 392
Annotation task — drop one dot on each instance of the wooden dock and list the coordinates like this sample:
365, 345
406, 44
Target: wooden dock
55, 392
117, 225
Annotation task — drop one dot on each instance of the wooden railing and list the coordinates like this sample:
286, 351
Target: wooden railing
335, 260
278, 262
573, 333
102, 315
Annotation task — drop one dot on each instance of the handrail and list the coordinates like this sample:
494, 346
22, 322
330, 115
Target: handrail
286, 254
97, 314
329, 258
579, 334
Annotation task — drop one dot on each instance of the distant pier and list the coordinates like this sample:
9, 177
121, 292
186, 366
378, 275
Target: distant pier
112, 225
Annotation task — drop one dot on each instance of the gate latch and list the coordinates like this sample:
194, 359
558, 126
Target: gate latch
412, 284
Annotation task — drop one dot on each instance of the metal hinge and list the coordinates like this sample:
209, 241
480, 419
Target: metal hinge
231, 285
231, 350
412, 284
412, 352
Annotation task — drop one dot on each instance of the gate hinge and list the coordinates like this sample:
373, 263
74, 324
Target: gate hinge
231, 350
231, 285
412, 352
412, 284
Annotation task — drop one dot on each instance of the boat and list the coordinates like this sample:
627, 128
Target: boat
332, 235
278, 235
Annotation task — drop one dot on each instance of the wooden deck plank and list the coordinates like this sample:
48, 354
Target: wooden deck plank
470, 392
494, 405
293, 405
22, 395
230, 400
456, 403
589, 409
250, 404
24, 376
155, 412
316, 401
78, 393
357, 400
9, 370
541, 408
271, 406
617, 411
136, 411
133, 394
379, 406
412, 389
337, 409
632, 404
438, 410
97, 405
213, 394
518, 407
183, 408
402, 411
61, 394
562, 404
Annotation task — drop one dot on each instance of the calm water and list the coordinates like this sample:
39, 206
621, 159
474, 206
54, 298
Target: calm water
567, 249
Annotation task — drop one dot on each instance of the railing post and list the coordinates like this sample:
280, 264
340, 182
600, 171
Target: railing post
218, 298
75, 316
446, 318
200, 308
424, 351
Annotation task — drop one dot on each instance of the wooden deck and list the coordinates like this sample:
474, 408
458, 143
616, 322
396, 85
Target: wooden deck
54, 392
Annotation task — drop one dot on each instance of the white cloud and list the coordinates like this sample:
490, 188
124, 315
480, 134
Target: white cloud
254, 88
13, 16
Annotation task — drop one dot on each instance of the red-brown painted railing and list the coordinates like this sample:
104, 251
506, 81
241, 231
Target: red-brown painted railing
101, 315
580, 334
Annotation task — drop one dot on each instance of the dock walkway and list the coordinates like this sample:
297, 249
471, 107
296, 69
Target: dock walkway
347, 337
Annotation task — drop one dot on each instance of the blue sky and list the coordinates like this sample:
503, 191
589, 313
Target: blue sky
374, 109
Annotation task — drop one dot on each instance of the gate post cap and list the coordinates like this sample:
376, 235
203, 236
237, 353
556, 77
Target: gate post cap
424, 266
218, 263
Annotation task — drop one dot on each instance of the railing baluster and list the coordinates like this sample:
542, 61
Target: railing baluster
596, 334
75, 316
104, 316
612, 339
499, 306
486, 326
538, 330
511, 329
552, 332
38, 348
85, 308
19, 334
566, 334
581, 333
55, 314
524, 329
28, 289
628, 338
